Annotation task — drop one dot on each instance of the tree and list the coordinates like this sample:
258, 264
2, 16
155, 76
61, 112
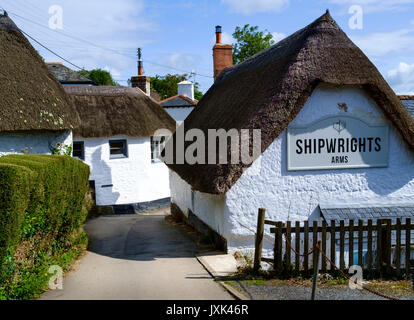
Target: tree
167, 86
250, 41
101, 77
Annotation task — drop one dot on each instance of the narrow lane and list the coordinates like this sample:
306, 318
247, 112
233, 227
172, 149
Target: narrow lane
138, 257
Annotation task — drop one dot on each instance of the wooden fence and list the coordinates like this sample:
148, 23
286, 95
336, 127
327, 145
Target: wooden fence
374, 245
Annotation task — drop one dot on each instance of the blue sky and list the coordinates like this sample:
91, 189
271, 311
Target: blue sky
178, 35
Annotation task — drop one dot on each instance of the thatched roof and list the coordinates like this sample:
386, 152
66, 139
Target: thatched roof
68, 76
31, 97
268, 90
110, 111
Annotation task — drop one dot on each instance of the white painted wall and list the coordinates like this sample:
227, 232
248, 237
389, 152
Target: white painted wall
209, 208
14, 142
135, 179
179, 114
296, 195
186, 88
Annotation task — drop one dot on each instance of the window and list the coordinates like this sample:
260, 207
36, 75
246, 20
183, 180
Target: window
118, 149
157, 145
79, 150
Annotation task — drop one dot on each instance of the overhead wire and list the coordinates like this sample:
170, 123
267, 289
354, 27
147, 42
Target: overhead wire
103, 48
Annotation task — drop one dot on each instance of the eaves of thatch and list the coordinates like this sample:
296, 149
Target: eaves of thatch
110, 111
30, 96
268, 90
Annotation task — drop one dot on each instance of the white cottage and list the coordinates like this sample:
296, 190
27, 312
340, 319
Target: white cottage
35, 112
116, 139
333, 136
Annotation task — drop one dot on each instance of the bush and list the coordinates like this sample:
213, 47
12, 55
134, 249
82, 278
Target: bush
41, 211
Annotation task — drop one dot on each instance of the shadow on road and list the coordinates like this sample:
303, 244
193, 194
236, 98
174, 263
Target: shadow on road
139, 238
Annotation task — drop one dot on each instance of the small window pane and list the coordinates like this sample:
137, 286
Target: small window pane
79, 150
118, 149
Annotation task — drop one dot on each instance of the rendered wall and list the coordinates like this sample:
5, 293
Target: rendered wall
134, 179
296, 195
39, 142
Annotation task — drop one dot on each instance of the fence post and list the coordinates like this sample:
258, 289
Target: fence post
259, 239
278, 263
387, 246
412, 271
315, 270
384, 247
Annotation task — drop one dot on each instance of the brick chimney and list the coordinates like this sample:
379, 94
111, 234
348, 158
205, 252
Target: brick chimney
141, 81
222, 54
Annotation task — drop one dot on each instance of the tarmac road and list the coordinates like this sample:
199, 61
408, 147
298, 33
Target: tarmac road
138, 257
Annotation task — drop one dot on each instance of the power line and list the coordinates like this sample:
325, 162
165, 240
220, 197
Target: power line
103, 48
51, 51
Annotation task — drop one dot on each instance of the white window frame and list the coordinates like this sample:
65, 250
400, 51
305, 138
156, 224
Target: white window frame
124, 151
157, 145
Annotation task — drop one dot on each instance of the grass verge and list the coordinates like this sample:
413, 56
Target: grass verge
31, 271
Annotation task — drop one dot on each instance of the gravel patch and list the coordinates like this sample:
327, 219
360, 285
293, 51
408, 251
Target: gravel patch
271, 290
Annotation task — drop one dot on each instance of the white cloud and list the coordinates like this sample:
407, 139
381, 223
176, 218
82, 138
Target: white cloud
116, 74
277, 36
402, 78
182, 62
120, 26
256, 6
226, 38
382, 43
370, 6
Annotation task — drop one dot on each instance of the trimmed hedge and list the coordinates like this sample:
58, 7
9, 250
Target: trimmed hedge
42, 204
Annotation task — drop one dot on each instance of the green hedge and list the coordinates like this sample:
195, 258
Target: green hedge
41, 209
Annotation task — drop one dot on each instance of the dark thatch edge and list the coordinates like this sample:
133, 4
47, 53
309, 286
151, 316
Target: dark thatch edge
31, 97
268, 90
111, 111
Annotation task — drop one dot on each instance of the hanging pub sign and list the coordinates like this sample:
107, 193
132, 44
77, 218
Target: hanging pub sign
337, 142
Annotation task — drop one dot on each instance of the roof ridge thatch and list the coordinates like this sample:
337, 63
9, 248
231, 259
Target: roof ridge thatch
268, 90
108, 111
31, 98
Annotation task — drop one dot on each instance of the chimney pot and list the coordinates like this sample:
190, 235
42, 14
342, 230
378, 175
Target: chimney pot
222, 54
141, 81
218, 34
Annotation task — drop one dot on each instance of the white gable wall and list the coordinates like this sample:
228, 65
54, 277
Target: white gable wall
296, 195
135, 179
40, 142
179, 114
